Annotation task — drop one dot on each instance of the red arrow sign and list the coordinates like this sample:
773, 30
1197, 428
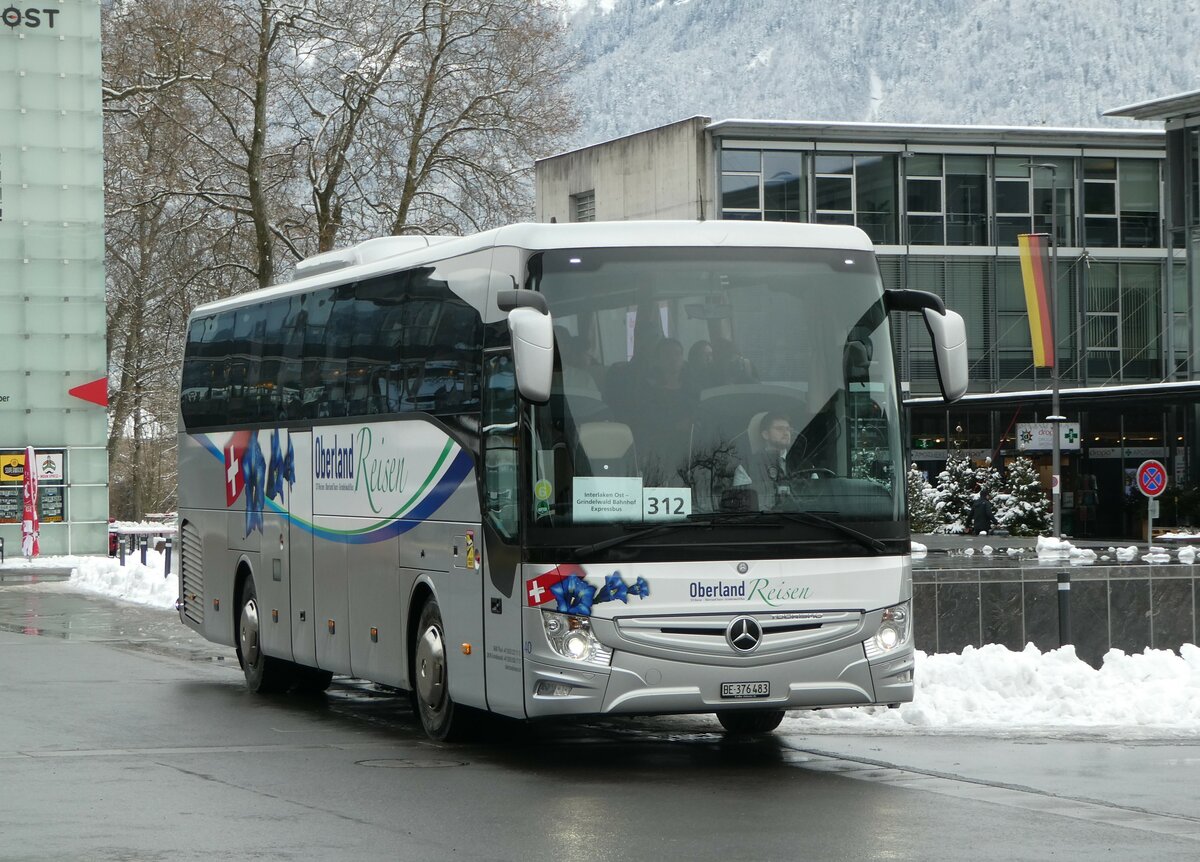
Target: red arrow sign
95, 392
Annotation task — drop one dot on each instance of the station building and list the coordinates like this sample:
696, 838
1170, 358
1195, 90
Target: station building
52, 296
944, 206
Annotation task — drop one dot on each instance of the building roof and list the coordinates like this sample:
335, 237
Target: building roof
1166, 108
932, 133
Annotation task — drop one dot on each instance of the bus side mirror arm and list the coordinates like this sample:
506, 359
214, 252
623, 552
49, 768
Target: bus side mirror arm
949, 334
533, 350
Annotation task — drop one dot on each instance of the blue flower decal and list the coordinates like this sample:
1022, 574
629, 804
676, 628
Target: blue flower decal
574, 595
281, 467
641, 589
614, 590
254, 474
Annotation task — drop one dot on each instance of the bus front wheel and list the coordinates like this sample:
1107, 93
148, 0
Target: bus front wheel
264, 674
750, 721
441, 717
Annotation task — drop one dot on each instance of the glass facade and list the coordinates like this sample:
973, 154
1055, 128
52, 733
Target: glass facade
942, 205
52, 299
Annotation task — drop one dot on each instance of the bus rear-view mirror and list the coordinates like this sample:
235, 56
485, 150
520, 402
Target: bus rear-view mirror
533, 352
948, 332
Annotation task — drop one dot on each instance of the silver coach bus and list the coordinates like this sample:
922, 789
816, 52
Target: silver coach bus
637, 467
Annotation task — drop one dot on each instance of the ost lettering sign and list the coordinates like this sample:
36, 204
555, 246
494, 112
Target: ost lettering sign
29, 18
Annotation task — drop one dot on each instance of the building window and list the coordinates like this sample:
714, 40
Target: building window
1061, 182
763, 185
1014, 209
1124, 341
1024, 197
966, 200
583, 206
1121, 203
783, 190
923, 196
1100, 225
857, 190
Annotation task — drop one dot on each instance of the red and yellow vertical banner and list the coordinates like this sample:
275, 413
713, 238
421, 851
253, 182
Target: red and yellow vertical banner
1035, 275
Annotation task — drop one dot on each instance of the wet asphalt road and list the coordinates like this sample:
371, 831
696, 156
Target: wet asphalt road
125, 737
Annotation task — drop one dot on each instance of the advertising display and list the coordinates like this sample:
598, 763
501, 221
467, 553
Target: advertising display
51, 486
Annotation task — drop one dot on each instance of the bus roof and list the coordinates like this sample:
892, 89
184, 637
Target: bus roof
387, 254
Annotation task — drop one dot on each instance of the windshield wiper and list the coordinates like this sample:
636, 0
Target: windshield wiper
812, 519
691, 522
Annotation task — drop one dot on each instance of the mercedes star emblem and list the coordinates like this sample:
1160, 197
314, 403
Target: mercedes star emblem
744, 634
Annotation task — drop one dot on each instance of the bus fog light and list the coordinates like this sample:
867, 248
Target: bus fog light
546, 688
571, 637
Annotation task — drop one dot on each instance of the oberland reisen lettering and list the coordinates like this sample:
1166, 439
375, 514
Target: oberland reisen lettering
31, 18
335, 462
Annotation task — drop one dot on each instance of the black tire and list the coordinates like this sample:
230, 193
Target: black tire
264, 674
745, 722
441, 717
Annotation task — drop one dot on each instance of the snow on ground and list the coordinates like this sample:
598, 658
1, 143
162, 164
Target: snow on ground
1152, 694
992, 689
135, 583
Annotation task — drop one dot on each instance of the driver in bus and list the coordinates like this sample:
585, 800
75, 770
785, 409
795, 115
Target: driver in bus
766, 471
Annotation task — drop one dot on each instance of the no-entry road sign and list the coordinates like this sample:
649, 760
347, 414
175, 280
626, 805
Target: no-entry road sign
1152, 478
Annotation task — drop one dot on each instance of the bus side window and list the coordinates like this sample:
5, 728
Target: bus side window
500, 457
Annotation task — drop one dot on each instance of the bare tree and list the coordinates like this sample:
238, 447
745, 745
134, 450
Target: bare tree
242, 135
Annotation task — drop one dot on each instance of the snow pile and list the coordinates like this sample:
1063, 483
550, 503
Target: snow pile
143, 585
1126, 555
1187, 555
992, 687
1180, 536
919, 550
1050, 549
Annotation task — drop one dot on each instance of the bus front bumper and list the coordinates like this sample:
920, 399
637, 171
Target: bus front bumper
636, 684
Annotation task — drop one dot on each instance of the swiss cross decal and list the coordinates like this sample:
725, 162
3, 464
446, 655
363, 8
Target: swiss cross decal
235, 453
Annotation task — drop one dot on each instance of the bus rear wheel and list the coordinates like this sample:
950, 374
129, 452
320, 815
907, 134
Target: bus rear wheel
264, 674
745, 722
441, 717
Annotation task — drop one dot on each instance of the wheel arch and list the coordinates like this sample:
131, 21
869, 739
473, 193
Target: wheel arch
242, 572
422, 592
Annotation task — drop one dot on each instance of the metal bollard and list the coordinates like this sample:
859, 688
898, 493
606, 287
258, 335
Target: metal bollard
121, 548
1064, 608
145, 543
167, 564
1, 550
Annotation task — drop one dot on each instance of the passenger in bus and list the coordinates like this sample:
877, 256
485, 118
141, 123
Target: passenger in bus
700, 373
578, 372
729, 365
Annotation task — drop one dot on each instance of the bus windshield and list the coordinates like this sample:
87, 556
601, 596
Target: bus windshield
696, 384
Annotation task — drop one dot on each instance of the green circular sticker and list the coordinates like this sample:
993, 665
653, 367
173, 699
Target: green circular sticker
542, 490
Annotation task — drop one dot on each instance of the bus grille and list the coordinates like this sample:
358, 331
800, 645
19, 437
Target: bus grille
191, 574
704, 635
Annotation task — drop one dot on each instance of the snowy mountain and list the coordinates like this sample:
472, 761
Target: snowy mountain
993, 62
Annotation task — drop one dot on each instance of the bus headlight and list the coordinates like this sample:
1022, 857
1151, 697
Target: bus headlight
571, 637
893, 631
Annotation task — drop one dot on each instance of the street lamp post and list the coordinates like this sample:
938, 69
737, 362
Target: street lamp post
1056, 418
